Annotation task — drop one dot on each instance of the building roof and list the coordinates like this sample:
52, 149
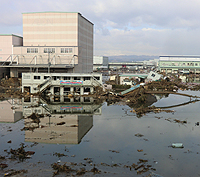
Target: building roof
48, 12
134, 75
181, 56
10, 35
57, 12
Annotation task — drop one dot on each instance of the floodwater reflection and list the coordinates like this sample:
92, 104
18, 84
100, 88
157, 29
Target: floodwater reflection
10, 110
111, 138
65, 123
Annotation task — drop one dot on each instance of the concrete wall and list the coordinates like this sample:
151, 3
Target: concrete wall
50, 29
6, 45
21, 55
85, 43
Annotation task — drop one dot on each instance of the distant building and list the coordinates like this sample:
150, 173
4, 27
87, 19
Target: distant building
128, 79
179, 64
100, 62
52, 41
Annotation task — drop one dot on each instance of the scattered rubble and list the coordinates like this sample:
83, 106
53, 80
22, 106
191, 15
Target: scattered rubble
114, 151
177, 121
3, 165
139, 135
141, 166
14, 172
20, 153
59, 154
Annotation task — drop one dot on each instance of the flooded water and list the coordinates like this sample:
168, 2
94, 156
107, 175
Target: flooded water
109, 138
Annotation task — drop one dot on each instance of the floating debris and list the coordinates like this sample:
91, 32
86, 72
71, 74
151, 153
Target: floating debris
14, 172
114, 151
61, 123
177, 145
20, 153
140, 150
59, 154
139, 135
177, 121
3, 165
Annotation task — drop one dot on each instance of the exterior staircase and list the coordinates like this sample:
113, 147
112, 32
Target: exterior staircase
42, 87
98, 83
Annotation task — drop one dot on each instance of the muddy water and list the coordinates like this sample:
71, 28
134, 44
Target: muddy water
110, 137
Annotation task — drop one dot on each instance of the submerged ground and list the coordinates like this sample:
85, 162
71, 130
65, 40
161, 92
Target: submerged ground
116, 143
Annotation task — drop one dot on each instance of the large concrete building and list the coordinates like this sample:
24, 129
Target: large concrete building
179, 63
52, 41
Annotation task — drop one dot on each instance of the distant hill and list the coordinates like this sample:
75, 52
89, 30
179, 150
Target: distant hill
130, 58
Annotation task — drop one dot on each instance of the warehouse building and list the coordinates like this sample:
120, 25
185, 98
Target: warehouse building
179, 64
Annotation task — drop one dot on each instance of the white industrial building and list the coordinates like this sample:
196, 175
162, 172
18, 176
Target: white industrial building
100, 62
179, 64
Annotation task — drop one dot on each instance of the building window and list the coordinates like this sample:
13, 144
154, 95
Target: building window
32, 50
66, 89
56, 77
97, 78
46, 77
37, 77
49, 50
196, 64
66, 50
66, 78
86, 78
77, 78
183, 64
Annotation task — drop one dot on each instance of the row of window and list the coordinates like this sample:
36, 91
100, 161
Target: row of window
180, 64
64, 78
49, 50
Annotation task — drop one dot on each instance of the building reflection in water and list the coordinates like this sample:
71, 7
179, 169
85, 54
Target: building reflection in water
63, 123
10, 110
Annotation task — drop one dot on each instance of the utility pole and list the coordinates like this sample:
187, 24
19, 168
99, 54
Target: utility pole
49, 64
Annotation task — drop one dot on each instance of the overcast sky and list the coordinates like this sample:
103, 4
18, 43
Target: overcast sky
129, 27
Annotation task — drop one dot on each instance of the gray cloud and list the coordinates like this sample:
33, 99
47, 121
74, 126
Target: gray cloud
132, 27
